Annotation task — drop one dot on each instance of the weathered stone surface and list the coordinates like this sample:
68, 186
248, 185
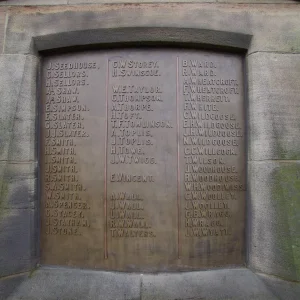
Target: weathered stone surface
199, 37
17, 238
8, 285
133, 1
60, 283
274, 216
54, 283
222, 284
48, 283
18, 103
2, 27
18, 185
33, 2
282, 289
257, 1
23, 141
56, 2
18, 223
268, 24
274, 106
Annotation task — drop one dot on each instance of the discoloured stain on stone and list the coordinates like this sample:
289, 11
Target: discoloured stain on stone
18, 107
286, 195
17, 234
18, 226
18, 185
274, 108
275, 220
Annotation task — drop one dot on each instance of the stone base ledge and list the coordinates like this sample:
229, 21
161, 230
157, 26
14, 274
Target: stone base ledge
49, 283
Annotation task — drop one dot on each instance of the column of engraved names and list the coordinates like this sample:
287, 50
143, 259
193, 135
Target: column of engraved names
211, 139
134, 94
66, 209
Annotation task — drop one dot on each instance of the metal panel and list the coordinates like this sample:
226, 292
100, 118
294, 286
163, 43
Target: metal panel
143, 160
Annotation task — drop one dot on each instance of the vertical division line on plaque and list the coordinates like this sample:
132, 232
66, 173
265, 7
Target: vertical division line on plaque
178, 157
105, 160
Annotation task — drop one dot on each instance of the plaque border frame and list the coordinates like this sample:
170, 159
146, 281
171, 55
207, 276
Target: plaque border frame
138, 37
143, 36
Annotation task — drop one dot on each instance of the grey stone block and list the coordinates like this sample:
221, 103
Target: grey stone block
33, 2
60, 283
50, 283
268, 24
274, 216
211, 285
17, 239
23, 141
56, 283
257, 1
9, 285
282, 289
274, 106
17, 185
18, 107
189, 1
199, 37
61, 2
135, 1
2, 27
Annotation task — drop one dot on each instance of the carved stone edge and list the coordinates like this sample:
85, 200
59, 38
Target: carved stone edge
143, 36
238, 283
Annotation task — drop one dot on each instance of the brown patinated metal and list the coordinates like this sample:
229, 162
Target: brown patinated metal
143, 160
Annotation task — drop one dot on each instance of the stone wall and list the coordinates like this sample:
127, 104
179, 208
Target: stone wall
270, 30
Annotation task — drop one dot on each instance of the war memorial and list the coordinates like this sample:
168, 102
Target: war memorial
150, 150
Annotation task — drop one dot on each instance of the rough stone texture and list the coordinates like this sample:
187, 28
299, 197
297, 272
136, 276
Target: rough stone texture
133, 1
18, 103
221, 284
61, 283
17, 185
75, 284
199, 1
257, 1
18, 220
17, 240
56, 2
274, 27
282, 289
136, 35
2, 27
274, 215
8, 285
274, 106
33, 2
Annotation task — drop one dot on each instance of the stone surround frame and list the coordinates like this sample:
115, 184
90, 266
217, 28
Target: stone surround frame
272, 154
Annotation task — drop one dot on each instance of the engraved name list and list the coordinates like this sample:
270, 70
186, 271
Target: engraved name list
142, 159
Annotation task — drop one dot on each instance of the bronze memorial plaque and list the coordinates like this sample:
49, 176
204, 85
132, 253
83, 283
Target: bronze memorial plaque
142, 159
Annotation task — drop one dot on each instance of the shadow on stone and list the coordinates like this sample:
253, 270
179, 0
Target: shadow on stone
10, 284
